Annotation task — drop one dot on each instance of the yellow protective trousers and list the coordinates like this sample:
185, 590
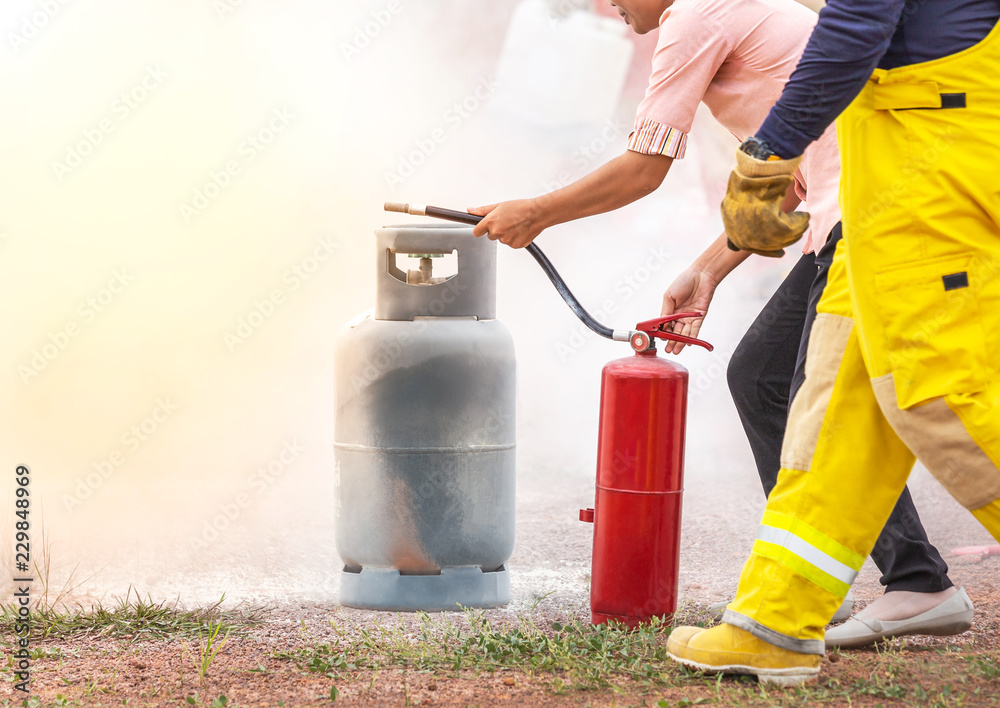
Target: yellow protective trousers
904, 356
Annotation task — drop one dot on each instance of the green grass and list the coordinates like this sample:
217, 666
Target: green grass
131, 618
209, 644
575, 654
985, 666
556, 657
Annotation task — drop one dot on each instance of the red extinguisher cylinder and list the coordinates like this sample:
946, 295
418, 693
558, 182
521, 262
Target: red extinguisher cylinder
640, 481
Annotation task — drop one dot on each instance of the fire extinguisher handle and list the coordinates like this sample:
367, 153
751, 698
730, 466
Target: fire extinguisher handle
654, 328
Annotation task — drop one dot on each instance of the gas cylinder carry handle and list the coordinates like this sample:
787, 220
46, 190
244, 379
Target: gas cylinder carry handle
654, 328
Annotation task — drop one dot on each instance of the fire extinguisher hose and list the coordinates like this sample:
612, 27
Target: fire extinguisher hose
536, 253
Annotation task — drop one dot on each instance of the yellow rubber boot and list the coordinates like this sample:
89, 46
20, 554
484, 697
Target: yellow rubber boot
730, 650
681, 635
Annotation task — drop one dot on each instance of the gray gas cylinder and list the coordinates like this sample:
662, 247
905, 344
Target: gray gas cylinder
424, 431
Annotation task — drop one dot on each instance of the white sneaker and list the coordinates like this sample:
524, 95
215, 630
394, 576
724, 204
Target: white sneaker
846, 608
842, 613
952, 616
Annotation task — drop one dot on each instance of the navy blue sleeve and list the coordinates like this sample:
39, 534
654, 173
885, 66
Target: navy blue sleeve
849, 40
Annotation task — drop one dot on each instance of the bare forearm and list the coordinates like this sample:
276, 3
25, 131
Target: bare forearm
621, 181
718, 260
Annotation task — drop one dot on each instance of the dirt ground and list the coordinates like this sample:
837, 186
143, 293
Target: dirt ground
111, 672
550, 582
162, 673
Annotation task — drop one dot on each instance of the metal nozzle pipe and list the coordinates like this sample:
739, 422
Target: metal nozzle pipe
416, 209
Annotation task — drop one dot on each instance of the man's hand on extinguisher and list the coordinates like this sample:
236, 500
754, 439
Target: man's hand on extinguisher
692, 290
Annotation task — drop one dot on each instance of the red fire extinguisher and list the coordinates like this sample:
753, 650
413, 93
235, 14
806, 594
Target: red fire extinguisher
640, 481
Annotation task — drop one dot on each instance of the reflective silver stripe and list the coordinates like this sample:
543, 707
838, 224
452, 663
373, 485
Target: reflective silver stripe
803, 646
807, 552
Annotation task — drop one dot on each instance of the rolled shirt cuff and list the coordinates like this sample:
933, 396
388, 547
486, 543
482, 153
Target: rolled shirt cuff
652, 138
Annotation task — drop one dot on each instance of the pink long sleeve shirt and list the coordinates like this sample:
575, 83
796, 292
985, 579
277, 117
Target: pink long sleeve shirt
735, 55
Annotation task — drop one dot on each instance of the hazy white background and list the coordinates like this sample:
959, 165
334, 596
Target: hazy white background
346, 107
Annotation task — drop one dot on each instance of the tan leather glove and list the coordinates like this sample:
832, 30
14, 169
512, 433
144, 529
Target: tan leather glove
751, 210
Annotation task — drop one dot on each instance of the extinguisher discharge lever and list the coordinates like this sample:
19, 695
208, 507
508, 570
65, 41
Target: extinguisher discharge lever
655, 328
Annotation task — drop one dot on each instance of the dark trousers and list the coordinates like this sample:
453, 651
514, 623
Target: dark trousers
767, 369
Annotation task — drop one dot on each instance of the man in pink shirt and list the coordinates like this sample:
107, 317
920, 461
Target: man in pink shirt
736, 58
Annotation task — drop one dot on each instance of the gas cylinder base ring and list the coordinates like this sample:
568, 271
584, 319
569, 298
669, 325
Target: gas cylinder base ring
386, 589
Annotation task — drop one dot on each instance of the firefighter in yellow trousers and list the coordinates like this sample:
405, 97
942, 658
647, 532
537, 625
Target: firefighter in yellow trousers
904, 356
